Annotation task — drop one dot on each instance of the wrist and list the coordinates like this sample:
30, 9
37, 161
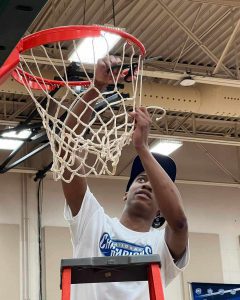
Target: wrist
142, 149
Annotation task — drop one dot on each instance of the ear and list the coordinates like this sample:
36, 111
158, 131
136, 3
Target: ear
125, 196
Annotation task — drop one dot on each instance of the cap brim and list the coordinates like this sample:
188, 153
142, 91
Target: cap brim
165, 162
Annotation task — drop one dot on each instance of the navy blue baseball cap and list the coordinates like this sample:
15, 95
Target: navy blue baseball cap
164, 161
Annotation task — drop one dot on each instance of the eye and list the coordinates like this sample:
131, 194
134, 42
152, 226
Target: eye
141, 179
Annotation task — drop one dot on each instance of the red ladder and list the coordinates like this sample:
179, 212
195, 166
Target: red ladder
106, 269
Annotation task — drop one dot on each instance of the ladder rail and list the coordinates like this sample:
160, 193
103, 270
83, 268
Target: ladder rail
113, 269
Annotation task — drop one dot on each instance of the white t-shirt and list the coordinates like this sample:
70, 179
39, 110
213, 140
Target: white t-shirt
95, 234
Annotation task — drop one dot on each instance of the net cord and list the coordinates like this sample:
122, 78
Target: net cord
71, 150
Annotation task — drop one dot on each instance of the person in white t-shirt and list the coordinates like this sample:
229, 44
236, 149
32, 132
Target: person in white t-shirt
151, 198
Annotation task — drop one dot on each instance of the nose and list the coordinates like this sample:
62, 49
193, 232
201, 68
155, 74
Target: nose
147, 186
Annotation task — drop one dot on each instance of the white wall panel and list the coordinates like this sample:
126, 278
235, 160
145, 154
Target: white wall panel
9, 262
210, 210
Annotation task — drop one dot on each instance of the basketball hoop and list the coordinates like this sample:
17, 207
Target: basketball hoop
56, 35
99, 145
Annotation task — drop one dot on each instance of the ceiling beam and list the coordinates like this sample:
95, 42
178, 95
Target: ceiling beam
193, 37
219, 164
220, 20
126, 178
203, 139
194, 139
29, 104
210, 29
232, 3
187, 39
163, 74
229, 44
154, 62
198, 79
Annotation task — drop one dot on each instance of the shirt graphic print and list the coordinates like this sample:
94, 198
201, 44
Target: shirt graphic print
111, 247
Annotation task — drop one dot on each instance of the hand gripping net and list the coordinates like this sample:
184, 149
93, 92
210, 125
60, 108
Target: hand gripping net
93, 146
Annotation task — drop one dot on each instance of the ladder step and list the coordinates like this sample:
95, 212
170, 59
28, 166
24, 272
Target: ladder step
112, 269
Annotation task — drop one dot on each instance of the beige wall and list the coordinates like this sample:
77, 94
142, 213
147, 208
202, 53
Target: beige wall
57, 246
9, 262
206, 263
213, 213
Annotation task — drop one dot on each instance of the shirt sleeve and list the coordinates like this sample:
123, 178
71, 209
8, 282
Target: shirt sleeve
78, 223
171, 268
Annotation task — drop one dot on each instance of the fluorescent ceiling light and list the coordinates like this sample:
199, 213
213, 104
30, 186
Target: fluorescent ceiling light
166, 147
92, 49
11, 144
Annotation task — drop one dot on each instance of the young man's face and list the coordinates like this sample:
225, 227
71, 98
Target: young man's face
140, 198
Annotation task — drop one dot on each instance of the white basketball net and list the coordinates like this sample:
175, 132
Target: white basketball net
97, 148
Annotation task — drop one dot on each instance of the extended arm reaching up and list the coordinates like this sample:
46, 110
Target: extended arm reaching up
75, 190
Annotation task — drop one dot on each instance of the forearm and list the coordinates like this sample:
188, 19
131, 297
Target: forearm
165, 191
83, 110
77, 122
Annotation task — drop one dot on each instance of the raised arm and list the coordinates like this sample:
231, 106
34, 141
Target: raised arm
165, 191
75, 190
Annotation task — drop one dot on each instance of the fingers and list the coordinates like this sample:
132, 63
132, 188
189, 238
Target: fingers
141, 116
110, 66
105, 71
142, 124
103, 75
111, 61
108, 70
130, 73
143, 113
